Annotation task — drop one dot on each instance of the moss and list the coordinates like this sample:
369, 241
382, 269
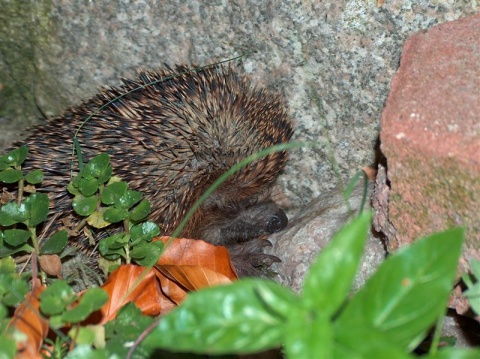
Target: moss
440, 195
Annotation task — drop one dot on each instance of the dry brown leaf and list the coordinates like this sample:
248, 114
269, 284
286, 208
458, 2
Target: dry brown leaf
192, 264
129, 284
195, 252
28, 320
51, 264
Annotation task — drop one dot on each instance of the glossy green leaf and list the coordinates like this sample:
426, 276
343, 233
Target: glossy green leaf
129, 199
88, 187
85, 206
114, 215
409, 290
34, 177
55, 244
223, 319
97, 166
144, 231
14, 158
308, 335
16, 237
10, 175
113, 192
11, 213
141, 211
324, 288
38, 206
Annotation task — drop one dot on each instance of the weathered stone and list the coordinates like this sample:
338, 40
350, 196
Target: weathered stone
333, 60
431, 136
312, 229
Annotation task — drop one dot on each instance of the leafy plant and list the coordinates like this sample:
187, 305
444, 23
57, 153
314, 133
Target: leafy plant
20, 216
388, 317
473, 284
104, 200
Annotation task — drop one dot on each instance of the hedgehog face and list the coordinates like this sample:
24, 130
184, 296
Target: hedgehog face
242, 222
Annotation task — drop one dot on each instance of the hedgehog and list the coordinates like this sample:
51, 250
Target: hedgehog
171, 134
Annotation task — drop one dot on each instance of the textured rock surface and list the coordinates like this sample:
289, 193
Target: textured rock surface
431, 136
333, 59
311, 230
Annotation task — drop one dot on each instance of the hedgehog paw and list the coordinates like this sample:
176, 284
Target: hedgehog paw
248, 258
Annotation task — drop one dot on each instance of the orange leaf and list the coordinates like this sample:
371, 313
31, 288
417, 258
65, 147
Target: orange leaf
191, 264
28, 320
195, 252
129, 284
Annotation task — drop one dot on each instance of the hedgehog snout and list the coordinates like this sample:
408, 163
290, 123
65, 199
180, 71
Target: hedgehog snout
277, 222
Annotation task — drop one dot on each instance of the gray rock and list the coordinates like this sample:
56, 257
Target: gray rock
332, 59
311, 230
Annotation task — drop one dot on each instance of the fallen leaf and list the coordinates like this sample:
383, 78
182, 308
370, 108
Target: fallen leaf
51, 264
191, 264
29, 321
132, 283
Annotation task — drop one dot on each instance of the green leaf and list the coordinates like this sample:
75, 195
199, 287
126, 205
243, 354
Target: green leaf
10, 175
114, 246
141, 211
11, 213
308, 335
409, 290
72, 186
8, 347
12, 289
147, 254
323, 287
55, 244
14, 158
34, 177
114, 215
455, 353
88, 187
55, 299
129, 199
129, 324
85, 206
97, 164
84, 351
7, 250
16, 237
82, 335
38, 205
99, 168
223, 319
7, 265
91, 300
113, 192
364, 342
144, 231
